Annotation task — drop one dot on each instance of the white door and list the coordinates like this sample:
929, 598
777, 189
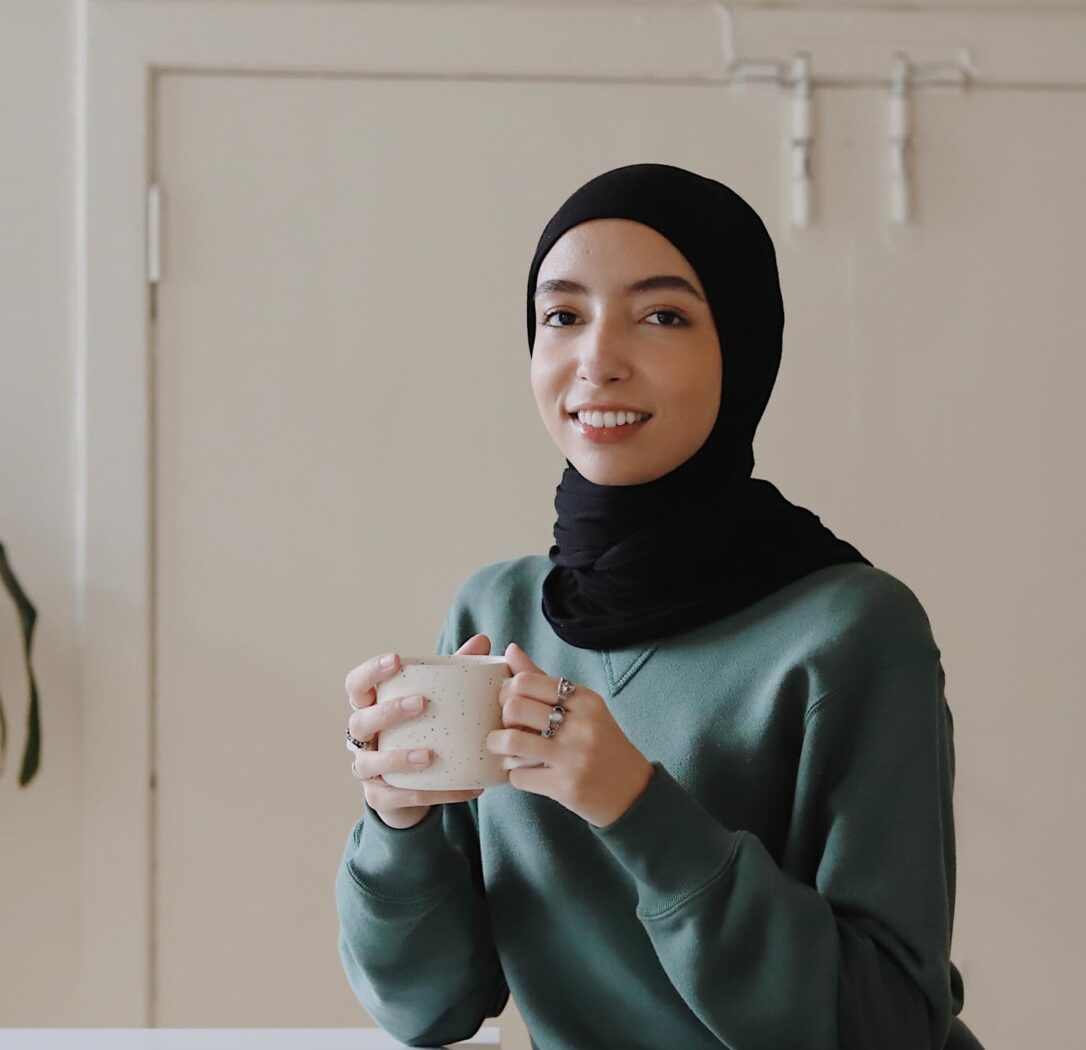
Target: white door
340, 251
345, 429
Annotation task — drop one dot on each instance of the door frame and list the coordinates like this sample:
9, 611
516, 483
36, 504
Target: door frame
122, 46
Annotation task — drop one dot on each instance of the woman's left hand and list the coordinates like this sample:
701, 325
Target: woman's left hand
590, 766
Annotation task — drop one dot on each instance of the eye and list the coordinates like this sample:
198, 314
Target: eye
551, 313
670, 313
681, 321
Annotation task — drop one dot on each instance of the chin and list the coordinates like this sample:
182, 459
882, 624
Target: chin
604, 475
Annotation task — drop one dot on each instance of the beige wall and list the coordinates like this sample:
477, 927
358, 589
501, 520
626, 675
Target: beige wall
39, 858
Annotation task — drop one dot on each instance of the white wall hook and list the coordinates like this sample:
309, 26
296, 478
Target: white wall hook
899, 140
906, 76
802, 140
796, 74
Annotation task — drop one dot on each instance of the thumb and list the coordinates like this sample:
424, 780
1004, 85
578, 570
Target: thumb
518, 659
476, 645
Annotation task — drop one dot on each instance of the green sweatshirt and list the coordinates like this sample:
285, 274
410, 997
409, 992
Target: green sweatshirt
784, 882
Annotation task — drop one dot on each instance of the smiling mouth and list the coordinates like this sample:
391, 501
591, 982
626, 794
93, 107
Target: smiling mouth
606, 435
576, 419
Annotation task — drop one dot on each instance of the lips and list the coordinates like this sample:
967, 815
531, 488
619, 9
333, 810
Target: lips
592, 411
607, 434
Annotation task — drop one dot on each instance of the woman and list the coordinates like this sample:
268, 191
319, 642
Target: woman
733, 826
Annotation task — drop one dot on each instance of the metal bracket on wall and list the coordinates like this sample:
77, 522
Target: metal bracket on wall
907, 75
154, 247
154, 229
796, 74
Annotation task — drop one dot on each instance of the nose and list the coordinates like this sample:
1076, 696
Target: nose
602, 355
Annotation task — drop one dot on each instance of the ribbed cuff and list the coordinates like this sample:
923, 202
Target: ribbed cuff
400, 864
669, 842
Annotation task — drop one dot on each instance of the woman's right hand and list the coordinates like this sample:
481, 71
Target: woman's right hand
397, 807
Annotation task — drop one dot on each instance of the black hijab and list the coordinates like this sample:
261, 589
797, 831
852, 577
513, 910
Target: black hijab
637, 563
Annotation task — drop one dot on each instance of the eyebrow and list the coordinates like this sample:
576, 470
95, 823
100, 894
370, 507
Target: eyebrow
671, 282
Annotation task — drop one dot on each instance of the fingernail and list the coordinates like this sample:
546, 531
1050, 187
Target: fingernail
418, 756
389, 660
412, 703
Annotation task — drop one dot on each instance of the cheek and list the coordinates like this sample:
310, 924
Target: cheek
547, 386
715, 387
539, 390
707, 386
694, 385
538, 374
694, 399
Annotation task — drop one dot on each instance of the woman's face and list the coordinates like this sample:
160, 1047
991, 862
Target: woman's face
654, 350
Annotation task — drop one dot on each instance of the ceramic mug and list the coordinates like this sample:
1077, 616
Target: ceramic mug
462, 709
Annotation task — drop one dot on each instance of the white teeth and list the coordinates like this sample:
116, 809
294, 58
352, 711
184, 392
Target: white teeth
610, 419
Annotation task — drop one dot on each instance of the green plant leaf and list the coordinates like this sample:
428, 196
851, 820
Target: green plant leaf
28, 616
3, 735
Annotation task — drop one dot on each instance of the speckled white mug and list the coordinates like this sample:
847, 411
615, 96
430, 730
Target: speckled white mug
462, 710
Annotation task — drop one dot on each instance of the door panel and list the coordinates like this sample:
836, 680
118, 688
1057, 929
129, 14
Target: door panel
342, 400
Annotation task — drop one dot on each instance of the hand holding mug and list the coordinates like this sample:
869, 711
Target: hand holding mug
397, 807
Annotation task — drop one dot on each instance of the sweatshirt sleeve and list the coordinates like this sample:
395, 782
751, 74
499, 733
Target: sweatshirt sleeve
414, 927
859, 959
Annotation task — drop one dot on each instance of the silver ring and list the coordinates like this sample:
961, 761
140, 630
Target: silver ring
362, 745
558, 713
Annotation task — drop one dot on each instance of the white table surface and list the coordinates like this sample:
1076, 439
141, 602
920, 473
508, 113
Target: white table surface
218, 1039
